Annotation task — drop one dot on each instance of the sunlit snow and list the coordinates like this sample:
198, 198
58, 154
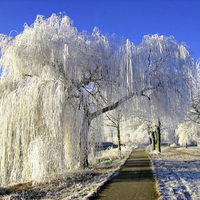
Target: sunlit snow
178, 173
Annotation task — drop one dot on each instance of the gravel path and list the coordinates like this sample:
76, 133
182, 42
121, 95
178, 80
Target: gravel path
135, 180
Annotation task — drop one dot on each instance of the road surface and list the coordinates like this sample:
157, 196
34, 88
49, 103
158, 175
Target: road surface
135, 180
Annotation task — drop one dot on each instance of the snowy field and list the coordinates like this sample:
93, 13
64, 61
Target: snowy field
178, 173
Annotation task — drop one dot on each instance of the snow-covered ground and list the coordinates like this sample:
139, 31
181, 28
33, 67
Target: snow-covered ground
79, 185
178, 173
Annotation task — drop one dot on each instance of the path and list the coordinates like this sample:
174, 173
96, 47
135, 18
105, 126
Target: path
134, 182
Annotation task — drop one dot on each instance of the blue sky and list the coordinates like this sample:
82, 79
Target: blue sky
130, 19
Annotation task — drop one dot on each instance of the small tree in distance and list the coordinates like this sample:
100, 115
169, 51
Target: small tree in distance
114, 120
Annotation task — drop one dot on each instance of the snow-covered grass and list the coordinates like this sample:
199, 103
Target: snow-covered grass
178, 173
79, 184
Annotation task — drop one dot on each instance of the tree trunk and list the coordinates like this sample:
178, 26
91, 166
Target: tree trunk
88, 117
158, 137
83, 144
153, 140
119, 139
150, 140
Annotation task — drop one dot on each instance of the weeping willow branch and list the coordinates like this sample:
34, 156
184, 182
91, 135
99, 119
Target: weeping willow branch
28, 75
111, 107
121, 101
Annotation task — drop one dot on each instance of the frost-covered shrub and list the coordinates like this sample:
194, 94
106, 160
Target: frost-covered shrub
187, 132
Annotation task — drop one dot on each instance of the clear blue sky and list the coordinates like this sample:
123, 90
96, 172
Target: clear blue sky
131, 19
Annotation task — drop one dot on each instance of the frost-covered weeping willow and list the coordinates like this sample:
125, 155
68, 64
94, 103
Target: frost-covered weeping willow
56, 80
53, 76
166, 70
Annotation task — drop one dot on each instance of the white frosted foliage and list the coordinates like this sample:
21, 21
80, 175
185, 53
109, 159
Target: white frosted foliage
187, 132
49, 72
34, 131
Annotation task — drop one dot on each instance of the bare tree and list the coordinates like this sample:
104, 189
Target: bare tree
114, 120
